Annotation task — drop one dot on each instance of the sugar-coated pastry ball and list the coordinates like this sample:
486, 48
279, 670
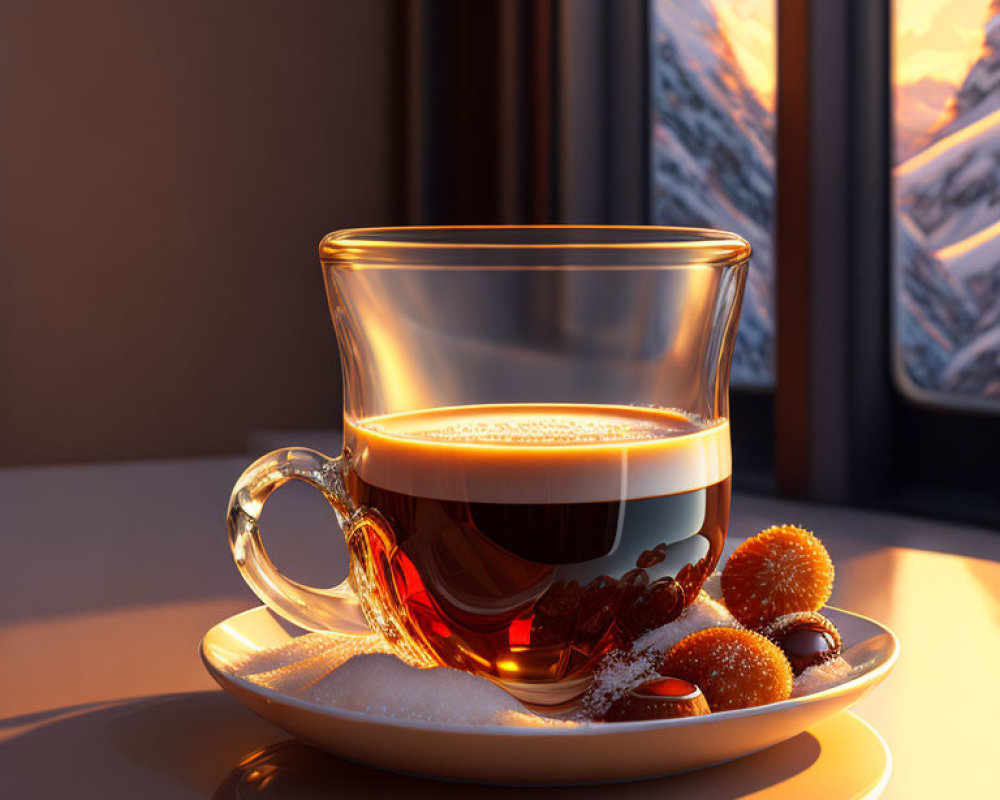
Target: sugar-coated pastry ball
734, 668
806, 638
781, 570
660, 698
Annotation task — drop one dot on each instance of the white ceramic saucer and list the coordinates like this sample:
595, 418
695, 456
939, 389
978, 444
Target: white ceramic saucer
521, 755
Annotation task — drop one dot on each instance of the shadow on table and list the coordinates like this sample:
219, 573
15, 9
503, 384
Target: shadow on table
291, 769
203, 745
171, 746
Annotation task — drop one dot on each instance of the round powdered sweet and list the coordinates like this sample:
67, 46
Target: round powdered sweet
734, 668
806, 638
779, 571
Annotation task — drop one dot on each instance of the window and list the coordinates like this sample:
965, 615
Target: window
870, 405
665, 111
712, 87
946, 200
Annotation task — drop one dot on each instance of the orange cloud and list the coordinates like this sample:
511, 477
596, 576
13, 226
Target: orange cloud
749, 25
939, 39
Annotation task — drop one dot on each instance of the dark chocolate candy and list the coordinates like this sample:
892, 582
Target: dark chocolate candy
806, 639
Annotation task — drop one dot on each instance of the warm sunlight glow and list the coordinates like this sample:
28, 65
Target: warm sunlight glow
936, 39
947, 617
949, 145
229, 630
749, 26
970, 243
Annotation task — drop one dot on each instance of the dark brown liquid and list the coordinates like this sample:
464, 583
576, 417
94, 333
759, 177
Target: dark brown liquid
535, 592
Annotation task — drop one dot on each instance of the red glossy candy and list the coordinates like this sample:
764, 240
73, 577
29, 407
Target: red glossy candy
660, 698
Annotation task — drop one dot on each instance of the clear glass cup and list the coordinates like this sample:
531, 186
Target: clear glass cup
536, 464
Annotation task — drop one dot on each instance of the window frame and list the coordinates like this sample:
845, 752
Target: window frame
863, 441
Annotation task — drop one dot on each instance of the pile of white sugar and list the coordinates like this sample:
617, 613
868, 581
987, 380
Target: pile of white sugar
360, 673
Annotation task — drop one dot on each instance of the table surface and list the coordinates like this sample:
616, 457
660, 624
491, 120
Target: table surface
112, 573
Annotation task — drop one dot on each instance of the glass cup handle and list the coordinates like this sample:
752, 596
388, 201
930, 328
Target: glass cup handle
305, 606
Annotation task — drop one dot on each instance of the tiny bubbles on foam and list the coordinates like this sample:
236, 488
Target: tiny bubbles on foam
564, 430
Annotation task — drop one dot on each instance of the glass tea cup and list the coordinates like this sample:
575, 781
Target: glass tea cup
536, 464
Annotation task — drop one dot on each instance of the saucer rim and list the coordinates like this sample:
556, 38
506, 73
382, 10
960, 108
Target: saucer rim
865, 681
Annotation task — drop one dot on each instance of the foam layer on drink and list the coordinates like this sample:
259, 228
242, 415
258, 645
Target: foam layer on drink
539, 453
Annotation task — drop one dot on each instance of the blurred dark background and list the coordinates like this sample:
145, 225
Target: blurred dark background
168, 170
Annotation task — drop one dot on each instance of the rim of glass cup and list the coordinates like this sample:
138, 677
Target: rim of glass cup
561, 247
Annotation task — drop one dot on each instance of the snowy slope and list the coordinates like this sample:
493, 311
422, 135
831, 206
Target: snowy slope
713, 161
973, 256
948, 239
976, 367
937, 313
951, 190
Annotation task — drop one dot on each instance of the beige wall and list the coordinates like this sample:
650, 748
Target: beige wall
166, 171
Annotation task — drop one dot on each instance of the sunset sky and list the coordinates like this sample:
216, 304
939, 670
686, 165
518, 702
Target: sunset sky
749, 25
933, 38
936, 38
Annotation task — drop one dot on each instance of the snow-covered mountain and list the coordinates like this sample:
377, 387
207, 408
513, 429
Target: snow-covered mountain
916, 109
713, 159
937, 313
948, 239
951, 190
979, 94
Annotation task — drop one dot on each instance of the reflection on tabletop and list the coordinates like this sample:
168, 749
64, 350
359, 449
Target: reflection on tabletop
204, 744
68, 728
838, 759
